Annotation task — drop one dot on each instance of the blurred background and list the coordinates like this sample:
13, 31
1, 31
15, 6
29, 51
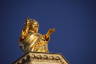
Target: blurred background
74, 20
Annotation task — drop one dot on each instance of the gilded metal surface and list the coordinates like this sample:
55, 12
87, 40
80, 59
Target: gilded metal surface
31, 40
41, 58
35, 46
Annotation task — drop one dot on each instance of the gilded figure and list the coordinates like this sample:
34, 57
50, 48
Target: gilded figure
31, 40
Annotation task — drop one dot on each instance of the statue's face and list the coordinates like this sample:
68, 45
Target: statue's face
34, 26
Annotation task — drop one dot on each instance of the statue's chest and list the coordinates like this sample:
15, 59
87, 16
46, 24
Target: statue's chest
32, 38
36, 39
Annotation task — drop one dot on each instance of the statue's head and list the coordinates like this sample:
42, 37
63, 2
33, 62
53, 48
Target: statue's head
33, 25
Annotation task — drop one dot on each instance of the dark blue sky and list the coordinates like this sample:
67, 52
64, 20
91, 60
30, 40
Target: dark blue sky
74, 20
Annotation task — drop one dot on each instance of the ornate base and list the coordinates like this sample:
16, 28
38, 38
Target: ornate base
41, 58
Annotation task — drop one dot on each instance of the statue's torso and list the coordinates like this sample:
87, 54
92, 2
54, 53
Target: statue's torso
35, 42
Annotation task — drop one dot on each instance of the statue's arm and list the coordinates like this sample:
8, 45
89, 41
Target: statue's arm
47, 36
24, 32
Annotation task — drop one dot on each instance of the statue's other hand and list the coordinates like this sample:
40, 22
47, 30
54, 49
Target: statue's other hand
51, 30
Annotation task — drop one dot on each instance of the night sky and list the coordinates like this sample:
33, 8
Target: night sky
74, 21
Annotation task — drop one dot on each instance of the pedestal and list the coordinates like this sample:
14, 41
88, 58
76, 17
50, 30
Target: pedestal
41, 58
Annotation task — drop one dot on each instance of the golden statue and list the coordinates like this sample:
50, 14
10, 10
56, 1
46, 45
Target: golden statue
31, 40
